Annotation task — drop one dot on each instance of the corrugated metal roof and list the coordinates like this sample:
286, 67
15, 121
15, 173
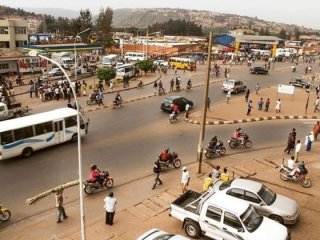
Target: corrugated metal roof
255, 38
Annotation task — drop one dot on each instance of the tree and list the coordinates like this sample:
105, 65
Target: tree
283, 34
297, 34
145, 65
105, 73
103, 27
85, 23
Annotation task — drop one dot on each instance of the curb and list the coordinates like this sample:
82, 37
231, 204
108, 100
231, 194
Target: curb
258, 119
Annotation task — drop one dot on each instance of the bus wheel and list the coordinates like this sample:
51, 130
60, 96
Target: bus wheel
74, 138
27, 152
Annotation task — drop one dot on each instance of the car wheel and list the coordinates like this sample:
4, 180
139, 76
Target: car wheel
276, 218
192, 229
236, 91
27, 152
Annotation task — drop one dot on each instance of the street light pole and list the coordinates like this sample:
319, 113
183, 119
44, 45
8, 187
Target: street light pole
82, 217
75, 51
205, 106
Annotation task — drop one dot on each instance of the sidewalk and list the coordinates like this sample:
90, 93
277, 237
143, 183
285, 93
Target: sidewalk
140, 208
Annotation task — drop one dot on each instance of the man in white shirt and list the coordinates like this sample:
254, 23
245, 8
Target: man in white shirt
110, 206
185, 179
187, 110
291, 163
297, 150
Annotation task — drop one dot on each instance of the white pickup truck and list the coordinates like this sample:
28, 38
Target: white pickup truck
222, 217
15, 110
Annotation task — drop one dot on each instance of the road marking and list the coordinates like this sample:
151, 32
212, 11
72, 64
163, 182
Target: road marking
309, 121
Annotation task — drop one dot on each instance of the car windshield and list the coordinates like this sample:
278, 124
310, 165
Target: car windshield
168, 100
165, 236
225, 185
230, 83
267, 195
251, 219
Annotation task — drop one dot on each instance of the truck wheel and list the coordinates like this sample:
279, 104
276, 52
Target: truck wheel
192, 229
27, 152
74, 138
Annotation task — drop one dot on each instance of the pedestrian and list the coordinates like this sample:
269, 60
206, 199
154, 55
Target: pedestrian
215, 172
187, 110
228, 96
257, 88
278, 106
110, 203
297, 150
31, 88
249, 107
161, 89
208, 103
316, 130
260, 104
317, 89
308, 142
208, 182
316, 105
100, 97
246, 97
171, 85
225, 176
156, 170
185, 179
226, 73
84, 87
266, 107
59, 206
290, 143
111, 86
155, 87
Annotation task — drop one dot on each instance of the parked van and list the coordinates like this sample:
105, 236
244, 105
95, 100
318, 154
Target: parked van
110, 60
125, 70
135, 56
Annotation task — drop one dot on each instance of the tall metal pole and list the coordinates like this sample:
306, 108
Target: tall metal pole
75, 51
82, 216
205, 102
308, 91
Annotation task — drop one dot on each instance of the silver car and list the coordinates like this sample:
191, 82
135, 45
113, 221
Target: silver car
156, 234
275, 206
234, 86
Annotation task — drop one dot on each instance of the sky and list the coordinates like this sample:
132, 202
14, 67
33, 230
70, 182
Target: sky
302, 13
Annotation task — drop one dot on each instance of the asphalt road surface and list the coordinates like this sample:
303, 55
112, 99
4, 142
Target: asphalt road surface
126, 141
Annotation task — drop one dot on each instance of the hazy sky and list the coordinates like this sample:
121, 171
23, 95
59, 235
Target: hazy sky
287, 11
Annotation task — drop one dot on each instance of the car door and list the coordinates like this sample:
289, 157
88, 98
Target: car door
211, 224
256, 201
232, 227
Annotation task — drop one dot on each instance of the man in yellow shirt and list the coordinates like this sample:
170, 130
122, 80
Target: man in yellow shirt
208, 182
225, 177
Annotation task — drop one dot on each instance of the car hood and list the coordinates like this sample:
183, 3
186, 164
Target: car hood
286, 205
270, 229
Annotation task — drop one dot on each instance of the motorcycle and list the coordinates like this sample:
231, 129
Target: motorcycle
218, 150
173, 162
300, 177
233, 143
293, 68
188, 88
178, 89
173, 117
140, 84
92, 99
117, 103
5, 214
90, 187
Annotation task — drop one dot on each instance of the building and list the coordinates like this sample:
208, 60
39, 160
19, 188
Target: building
13, 33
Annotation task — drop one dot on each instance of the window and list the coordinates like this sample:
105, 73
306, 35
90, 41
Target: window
251, 197
6, 137
231, 220
23, 133
71, 121
4, 66
20, 43
236, 192
214, 213
43, 128
4, 44
4, 30
2, 109
21, 30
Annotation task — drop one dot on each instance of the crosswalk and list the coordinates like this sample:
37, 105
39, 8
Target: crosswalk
309, 121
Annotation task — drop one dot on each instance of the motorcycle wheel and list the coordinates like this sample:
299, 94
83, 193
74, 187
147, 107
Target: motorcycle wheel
208, 154
306, 183
283, 175
89, 102
177, 163
5, 215
109, 183
222, 151
88, 190
248, 144
232, 144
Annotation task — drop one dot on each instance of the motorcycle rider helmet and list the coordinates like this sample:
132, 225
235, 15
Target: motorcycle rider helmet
93, 167
167, 149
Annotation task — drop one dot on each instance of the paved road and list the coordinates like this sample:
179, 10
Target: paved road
126, 141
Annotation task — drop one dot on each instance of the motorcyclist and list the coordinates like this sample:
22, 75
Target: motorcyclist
175, 110
213, 143
118, 98
95, 175
189, 84
293, 68
237, 135
139, 82
165, 155
300, 169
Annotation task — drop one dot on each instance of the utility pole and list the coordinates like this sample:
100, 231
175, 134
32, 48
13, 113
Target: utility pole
205, 102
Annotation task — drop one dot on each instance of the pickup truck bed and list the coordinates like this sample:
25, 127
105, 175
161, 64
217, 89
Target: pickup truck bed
187, 198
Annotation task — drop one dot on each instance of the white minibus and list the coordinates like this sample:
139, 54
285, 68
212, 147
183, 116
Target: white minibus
22, 136
110, 60
135, 56
125, 70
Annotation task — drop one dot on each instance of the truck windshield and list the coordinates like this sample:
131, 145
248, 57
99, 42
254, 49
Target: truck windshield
267, 195
251, 219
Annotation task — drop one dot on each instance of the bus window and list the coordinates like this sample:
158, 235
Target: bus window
71, 121
6, 137
23, 133
43, 128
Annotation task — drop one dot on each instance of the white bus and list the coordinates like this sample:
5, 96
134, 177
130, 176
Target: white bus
22, 136
135, 56
110, 60
125, 70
